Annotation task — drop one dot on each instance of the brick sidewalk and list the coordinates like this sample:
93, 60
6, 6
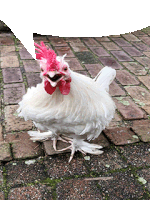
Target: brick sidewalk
26, 172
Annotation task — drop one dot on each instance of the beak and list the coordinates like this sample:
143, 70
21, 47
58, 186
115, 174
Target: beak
54, 77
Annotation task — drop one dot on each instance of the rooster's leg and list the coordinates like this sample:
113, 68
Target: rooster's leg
55, 142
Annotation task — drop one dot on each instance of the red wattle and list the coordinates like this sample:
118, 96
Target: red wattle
48, 88
64, 87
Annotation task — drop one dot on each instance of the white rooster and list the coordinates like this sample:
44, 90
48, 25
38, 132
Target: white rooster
68, 106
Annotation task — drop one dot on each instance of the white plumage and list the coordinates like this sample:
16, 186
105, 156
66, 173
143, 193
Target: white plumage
80, 115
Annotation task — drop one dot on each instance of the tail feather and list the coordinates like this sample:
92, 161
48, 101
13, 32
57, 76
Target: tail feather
105, 77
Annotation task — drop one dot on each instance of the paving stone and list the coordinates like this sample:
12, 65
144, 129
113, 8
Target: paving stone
90, 42
138, 33
110, 46
6, 41
93, 69
125, 78
75, 42
115, 89
140, 95
64, 50
58, 42
128, 109
147, 53
137, 155
9, 61
86, 57
13, 93
78, 189
142, 129
14, 123
22, 146
24, 54
23, 172
31, 192
101, 140
102, 39
79, 49
7, 51
145, 39
135, 68
1, 134
145, 174
5, 154
110, 62
58, 166
108, 160
122, 185
84, 73
141, 46
99, 51
31, 66
130, 37
145, 80
40, 38
121, 42
12, 75
145, 61
121, 56
33, 79
2, 196
121, 136
74, 64
132, 51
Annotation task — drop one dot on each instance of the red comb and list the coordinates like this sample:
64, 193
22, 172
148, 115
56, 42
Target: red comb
48, 54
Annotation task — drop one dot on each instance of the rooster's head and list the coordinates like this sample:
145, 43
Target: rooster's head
54, 70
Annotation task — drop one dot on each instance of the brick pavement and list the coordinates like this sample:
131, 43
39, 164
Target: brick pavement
123, 170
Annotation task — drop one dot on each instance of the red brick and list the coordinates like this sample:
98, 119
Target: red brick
13, 93
121, 136
8, 51
64, 50
78, 189
130, 37
33, 79
115, 89
142, 129
135, 68
6, 41
102, 39
128, 108
141, 46
145, 61
121, 56
24, 54
99, 51
40, 38
147, 53
79, 48
132, 51
5, 154
74, 64
145, 39
110, 62
14, 123
125, 78
75, 42
31, 66
138, 33
12, 75
9, 61
93, 69
145, 80
91, 42
121, 42
58, 42
22, 146
30, 192
110, 46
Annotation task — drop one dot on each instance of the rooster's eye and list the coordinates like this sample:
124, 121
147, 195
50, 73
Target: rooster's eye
42, 70
65, 69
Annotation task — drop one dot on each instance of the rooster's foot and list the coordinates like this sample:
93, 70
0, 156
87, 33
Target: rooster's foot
55, 142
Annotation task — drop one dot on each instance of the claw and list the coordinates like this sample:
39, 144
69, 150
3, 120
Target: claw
54, 144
